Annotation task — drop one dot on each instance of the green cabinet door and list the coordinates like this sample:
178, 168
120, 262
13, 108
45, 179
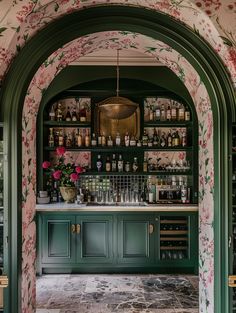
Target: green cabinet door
58, 238
94, 238
135, 239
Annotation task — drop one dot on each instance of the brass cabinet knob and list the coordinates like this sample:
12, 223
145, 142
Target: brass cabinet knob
73, 228
78, 228
151, 228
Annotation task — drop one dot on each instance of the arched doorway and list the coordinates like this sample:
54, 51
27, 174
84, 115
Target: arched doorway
202, 59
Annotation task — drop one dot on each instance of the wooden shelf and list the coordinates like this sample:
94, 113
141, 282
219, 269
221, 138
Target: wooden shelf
171, 124
173, 232
67, 124
94, 173
173, 221
173, 239
174, 248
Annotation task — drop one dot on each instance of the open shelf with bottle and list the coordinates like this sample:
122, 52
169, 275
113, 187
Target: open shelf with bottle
162, 146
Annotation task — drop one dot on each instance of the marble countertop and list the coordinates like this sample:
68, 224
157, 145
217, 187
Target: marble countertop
59, 207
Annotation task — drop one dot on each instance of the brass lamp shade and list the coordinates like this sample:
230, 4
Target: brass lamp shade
118, 107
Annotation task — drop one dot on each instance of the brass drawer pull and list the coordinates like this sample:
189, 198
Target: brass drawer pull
78, 228
151, 229
232, 281
3, 281
73, 228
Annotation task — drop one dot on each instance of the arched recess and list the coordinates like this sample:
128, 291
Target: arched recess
154, 25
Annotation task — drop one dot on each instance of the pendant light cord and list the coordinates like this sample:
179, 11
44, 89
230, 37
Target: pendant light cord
117, 73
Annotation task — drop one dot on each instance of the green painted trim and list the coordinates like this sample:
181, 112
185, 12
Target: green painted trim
104, 18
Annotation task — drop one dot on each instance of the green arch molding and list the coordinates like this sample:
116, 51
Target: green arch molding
152, 24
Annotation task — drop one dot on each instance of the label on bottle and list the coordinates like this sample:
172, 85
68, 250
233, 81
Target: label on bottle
173, 114
118, 142
108, 166
99, 165
52, 116
61, 141
157, 114
99, 140
181, 114
187, 116
120, 166
79, 141
94, 142
113, 166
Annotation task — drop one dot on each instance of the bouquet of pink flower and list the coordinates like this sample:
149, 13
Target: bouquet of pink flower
65, 174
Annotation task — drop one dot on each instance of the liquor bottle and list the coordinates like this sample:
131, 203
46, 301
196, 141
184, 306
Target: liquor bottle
169, 139
184, 139
168, 113
99, 140
145, 138
150, 141
150, 193
61, 138
163, 113
74, 115
87, 139
127, 139
187, 115
157, 113
108, 164
135, 165
109, 141
163, 140
52, 114
51, 141
145, 164
79, 139
103, 140
82, 114
94, 140
183, 193
68, 115
69, 140
99, 163
176, 139
155, 138
181, 113
118, 139
113, 163
144, 193
54, 193
120, 164
56, 139
132, 142
151, 114
59, 113
127, 167
173, 112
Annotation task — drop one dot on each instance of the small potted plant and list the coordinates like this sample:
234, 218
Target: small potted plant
66, 174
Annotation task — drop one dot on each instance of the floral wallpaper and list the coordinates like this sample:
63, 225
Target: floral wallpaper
214, 20
169, 57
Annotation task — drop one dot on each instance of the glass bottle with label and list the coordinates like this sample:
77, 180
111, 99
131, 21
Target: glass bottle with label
135, 165
94, 140
118, 139
168, 113
132, 142
87, 139
82, 114
59, 115
176, 139
108, 164
163, 140
51, 141
69, 140
173, 112
74, 115
120, 164
127, 139
113, 163
145, 164
151, 114
68, 115
109, 141
169, 139
99, 140
184, 139
103, 140
183, 193
99, 163
181, 113
61, 138
145, 138
79, 139
158, 113
127, 167
52, 114
163, 113
56, 138
187, 115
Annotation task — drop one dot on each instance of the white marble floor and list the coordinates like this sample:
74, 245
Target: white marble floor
117, 294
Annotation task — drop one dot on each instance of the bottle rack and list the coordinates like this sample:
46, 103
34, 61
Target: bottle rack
129, 152
174, 238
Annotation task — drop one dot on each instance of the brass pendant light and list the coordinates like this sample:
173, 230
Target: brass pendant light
117, 107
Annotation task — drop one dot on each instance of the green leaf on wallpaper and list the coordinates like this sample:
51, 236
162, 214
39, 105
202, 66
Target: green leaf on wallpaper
2, 29
150, 49
227, 41
196, 31
206, 161
56, 7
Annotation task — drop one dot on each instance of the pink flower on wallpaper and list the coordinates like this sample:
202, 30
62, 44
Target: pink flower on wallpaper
209, 125
35, 18
25, 10
232, 52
